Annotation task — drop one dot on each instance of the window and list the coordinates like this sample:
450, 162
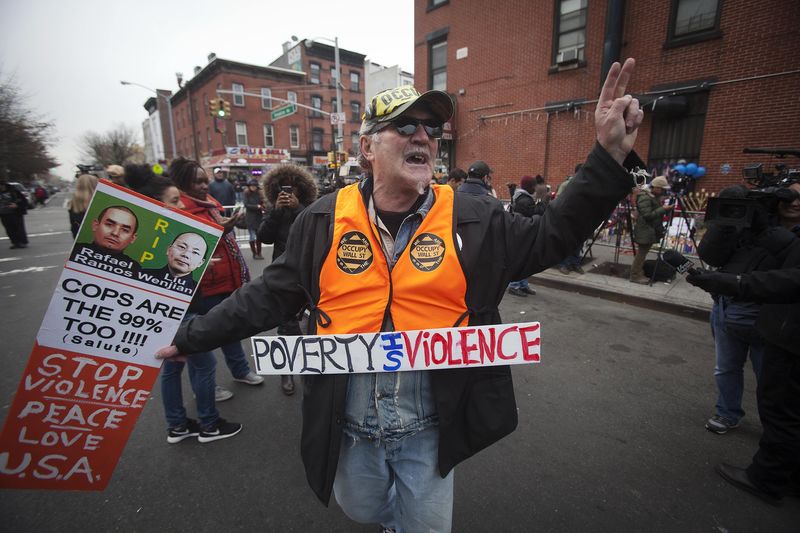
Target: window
241, 134
354, 82
570, 31
266, 98
238, 95
314, 72
694, 20
433, 4
355, 139
294, 136
677, 130
355, 111
292, 97
438, 63
335, 105
333, 75
316, 139
316, 103
269, 139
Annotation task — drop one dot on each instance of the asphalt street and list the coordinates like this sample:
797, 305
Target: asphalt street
610, 434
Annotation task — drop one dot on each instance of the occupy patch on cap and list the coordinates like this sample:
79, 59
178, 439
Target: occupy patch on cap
391, 103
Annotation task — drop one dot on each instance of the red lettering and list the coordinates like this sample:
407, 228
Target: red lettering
486, 348
439, 338
450, 360
527, 355
500, 352
412, 354
466, 347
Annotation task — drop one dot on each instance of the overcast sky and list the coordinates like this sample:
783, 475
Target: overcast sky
69, 57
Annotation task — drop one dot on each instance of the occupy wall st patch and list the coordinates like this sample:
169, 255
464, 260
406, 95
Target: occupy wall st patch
354, 253
427, 252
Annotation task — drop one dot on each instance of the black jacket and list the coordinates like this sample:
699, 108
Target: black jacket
475, 186
476, 406
779, 291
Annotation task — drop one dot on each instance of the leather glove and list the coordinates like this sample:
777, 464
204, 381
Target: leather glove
715, 282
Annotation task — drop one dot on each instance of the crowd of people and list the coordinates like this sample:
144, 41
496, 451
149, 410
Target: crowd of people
384, 446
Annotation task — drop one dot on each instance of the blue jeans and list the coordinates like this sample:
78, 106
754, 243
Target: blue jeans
235, 357
395, 483
521, 284
202, 377
734, 337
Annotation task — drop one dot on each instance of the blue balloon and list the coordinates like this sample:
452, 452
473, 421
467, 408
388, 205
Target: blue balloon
680, 168
701, 171
691, 168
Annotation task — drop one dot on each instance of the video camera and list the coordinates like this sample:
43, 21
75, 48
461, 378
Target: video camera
770, 189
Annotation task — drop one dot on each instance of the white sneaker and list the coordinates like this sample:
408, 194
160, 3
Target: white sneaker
221, 394
251, 378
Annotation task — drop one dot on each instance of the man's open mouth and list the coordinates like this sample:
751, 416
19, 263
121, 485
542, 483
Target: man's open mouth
417, 159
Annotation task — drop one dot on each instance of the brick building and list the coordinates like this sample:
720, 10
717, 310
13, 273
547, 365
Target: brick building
252, 137
317, 60
715, 76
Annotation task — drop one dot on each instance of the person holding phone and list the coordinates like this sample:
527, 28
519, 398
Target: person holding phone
289, 189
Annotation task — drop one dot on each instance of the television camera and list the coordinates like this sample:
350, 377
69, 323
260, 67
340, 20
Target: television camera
744, 206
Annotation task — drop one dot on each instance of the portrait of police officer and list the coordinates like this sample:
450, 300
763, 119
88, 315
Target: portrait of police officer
395, 252
113, 230
186, 253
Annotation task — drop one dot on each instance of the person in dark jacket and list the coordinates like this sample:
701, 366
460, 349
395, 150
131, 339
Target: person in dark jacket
479, 180
775, 469
733, 320
222, 191
13, 207
386, 446
289, 190
253, 214
523, 203
649, 228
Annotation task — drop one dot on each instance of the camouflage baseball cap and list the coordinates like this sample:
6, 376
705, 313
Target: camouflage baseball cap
389, 104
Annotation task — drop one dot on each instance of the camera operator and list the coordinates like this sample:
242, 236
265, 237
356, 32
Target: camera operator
735, 250
775, 468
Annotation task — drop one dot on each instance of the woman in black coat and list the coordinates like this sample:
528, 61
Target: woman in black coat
289, 190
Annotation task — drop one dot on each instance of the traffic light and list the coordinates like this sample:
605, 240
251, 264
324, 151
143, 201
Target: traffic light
213, 107
225, 108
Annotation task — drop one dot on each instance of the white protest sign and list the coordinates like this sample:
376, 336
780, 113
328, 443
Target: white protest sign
398, 351
123, 292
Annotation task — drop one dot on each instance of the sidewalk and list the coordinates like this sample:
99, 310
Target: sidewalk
677, 297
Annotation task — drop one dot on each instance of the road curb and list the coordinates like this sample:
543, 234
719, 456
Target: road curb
672, 307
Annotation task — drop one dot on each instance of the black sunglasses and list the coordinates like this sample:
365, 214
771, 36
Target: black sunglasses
408, 127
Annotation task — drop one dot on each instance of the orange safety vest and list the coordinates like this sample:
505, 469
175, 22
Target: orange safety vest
425, 289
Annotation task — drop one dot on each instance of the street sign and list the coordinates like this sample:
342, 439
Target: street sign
284, 112
337, 118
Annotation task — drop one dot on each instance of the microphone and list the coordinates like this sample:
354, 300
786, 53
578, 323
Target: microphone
679, 262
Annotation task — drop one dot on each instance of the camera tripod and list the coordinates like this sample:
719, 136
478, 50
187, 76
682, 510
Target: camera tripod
679, 204
623, 222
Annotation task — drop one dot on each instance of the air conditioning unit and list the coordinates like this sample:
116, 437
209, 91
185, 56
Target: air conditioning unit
569, 55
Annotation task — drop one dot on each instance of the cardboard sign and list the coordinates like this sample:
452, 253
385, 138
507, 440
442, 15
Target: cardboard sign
122, 294
398, 351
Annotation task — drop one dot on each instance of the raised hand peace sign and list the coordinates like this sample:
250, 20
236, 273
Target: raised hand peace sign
617, 116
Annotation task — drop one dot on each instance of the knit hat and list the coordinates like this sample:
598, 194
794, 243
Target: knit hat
659, 181
115, 171
527, 182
